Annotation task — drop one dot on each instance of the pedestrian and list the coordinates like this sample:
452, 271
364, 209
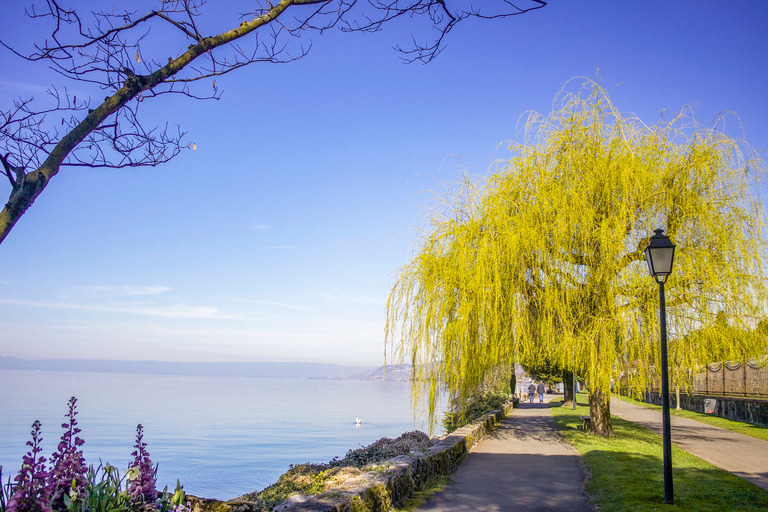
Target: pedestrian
531, 391
540, 391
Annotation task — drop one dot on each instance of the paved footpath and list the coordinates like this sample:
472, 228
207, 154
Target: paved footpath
741, 455
522, 466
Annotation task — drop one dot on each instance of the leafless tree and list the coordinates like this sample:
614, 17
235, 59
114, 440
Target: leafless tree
135, 56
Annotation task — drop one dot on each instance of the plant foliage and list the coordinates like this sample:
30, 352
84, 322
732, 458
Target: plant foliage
484, 403
71, 486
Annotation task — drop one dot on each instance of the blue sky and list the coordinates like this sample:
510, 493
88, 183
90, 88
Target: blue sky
278, 239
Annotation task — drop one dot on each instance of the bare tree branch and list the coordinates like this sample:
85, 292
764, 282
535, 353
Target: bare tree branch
116, 53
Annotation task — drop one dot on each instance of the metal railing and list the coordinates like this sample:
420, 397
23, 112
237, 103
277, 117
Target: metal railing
748, 380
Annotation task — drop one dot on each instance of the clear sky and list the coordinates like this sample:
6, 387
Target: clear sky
278, 239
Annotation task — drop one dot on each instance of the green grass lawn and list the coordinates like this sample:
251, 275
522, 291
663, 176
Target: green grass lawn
747, 429
626, 471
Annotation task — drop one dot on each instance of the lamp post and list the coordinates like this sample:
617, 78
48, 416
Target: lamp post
660, 254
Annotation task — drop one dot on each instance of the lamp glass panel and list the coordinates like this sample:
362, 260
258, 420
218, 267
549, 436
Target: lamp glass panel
662, 260
649, 260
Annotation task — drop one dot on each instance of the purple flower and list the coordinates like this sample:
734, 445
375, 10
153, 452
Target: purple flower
68, 469
31, 493
141, 474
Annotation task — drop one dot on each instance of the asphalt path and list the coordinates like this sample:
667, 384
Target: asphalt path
741, 455
523, 466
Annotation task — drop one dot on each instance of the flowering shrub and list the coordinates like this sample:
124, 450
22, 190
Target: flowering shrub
141, 474
31, 492
71, 486
67, 480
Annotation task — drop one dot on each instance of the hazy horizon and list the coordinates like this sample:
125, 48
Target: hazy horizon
270, 369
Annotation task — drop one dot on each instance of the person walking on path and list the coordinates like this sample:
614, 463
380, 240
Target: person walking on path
540, 390
741, 455
531, 391
504, 472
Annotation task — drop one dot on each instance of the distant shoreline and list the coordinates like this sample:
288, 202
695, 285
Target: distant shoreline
389, 373
215, 369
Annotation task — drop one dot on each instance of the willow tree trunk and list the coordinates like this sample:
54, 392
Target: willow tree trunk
568, 387
600, 412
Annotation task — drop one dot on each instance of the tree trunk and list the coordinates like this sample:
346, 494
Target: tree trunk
677, 398
600, 413
25, 191
568, 388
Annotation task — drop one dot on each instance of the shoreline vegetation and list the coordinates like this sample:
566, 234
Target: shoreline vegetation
481, 405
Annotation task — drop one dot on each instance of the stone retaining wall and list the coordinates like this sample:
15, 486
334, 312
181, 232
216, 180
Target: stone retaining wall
729, 407
389, 483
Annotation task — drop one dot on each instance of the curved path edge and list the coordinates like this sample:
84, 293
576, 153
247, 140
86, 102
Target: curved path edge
741, 455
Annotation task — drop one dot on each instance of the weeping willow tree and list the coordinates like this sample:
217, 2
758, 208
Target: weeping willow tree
543, 259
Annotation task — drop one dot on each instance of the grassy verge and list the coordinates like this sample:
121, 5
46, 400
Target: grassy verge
626, 471
747, 429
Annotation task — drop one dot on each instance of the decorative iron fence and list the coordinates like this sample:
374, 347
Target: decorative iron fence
733, 379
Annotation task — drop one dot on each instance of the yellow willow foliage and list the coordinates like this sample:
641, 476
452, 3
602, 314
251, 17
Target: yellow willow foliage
544, 258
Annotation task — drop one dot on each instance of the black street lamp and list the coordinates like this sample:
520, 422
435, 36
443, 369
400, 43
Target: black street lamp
660, 254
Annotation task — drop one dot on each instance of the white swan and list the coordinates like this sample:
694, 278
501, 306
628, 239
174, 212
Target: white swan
358, 421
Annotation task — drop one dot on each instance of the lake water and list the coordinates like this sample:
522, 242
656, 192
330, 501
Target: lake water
221, 436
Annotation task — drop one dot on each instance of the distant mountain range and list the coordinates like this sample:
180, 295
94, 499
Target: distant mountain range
251, 369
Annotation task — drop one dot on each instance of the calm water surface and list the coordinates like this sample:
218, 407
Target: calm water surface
222, 437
